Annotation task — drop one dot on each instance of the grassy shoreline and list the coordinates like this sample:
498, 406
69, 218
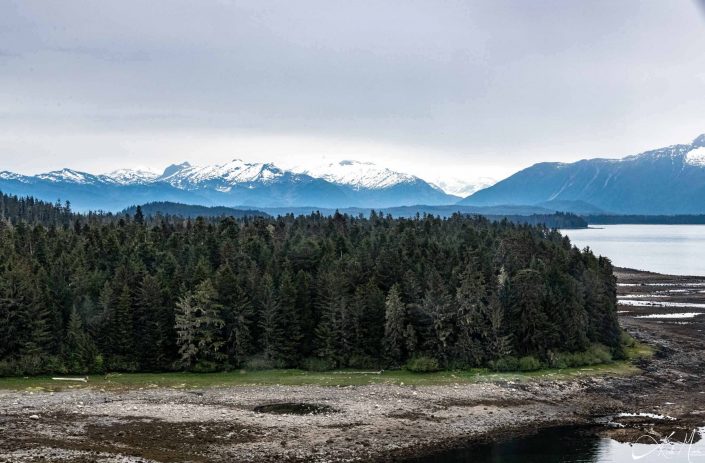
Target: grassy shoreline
117, 381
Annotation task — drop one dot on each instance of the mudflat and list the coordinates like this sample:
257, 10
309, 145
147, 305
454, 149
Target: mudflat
375, 422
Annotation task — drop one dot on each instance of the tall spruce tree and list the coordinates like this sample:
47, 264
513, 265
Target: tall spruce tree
394, 327
149, 325
272, 324
78, 350
121, 332
198, 328
237, 314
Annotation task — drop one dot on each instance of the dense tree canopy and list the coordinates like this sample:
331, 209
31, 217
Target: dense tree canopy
84, 293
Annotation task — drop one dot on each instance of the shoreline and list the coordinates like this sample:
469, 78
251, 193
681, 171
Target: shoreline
376, 422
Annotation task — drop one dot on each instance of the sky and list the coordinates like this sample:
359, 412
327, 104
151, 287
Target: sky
447, 90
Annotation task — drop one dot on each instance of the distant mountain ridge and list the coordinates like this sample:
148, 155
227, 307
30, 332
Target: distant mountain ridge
236, 183
668, 180
192, 211
518, 214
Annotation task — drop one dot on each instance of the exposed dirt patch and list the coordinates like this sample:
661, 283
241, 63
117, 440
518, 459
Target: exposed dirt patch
151, 439
485, 403
413, 416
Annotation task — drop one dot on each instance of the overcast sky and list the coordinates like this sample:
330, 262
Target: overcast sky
437, 88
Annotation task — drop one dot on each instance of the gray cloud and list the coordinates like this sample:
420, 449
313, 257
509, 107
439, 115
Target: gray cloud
479, 84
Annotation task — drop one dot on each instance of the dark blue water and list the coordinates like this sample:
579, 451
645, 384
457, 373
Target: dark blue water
570, 445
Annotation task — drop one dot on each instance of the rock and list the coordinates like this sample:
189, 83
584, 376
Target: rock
33, 417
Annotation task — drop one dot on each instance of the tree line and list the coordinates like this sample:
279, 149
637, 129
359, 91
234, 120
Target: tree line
91, 293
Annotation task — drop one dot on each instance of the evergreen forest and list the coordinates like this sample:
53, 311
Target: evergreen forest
89, 293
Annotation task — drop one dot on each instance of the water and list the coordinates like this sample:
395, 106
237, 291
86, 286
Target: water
571, 445
294, 408
670, 249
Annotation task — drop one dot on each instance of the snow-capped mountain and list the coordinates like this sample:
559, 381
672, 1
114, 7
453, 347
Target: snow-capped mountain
376, 186
5, 175
360, 175
220, 176
235, 183
668, 180
73, 176
132, 176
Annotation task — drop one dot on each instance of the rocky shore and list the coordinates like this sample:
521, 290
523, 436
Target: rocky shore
372, 422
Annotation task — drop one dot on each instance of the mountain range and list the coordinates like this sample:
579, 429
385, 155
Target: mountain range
668, 181
664, 181
236, 183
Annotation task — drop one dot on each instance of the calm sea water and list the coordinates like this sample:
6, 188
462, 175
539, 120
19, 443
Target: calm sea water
572, 445
671, 249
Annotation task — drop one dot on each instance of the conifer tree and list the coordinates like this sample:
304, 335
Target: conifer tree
329, 332
290, 345
271, 324
530, 321
79, 352
121, 334
198, 328
149, 321
139, 216
305, 308
474, 324
237, 314
438, 304
499, 342
394, 327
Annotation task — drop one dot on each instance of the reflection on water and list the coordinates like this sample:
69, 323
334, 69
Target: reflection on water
669, 249
571, 445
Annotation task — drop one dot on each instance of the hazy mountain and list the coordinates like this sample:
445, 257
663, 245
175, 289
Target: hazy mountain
187, 210
668, 180
576, 207
464, 187
412, 211
519, 214
236, 183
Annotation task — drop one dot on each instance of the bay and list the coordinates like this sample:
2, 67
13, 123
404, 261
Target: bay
669, 249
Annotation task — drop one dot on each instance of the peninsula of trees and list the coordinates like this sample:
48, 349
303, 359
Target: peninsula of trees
90, 293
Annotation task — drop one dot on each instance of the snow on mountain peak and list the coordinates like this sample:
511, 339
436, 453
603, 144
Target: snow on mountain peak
133, 176
68, 175
5, 175
696, 157
220, 176
359, 174
225, 177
